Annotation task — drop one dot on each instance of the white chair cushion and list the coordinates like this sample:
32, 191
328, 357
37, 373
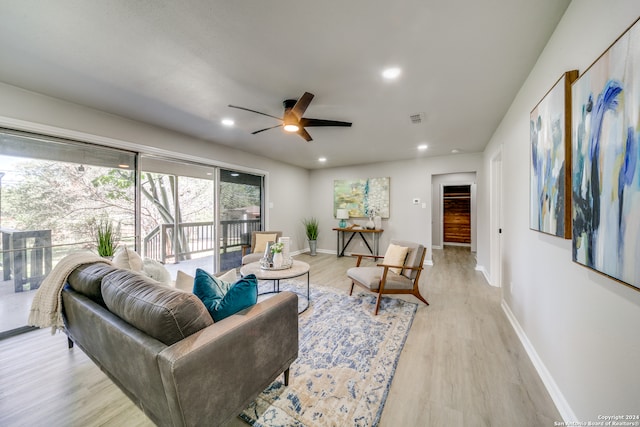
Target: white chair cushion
249, 258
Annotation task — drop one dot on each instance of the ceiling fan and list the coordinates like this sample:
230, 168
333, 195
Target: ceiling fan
292, 120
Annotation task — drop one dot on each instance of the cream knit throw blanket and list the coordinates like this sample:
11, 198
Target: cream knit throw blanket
46, 308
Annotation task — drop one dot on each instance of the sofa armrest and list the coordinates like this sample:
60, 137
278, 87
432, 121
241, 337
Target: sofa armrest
212, 375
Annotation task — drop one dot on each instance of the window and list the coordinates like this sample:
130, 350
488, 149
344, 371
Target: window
53, 194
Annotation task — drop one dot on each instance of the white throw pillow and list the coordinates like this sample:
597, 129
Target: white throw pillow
128, 259
155, 270
184, 281
395, 256
230, 276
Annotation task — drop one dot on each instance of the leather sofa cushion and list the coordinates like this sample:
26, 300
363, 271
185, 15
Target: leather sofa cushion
164, 313
87, 280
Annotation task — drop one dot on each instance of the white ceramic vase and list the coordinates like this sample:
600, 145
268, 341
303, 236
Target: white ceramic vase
277, 260
370, 225
377, 220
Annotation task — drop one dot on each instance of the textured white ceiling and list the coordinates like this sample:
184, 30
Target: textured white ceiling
179, 64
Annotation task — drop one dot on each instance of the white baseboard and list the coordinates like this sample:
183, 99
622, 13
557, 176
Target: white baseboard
436, 247
561, 403
326, 251
483, 270
428, 262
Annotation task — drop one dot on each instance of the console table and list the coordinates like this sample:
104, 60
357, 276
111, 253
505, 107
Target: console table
357, 231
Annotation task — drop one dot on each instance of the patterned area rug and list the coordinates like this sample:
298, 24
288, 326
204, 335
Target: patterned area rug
346, 362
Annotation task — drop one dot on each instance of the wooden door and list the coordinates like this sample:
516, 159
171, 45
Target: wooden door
457, 214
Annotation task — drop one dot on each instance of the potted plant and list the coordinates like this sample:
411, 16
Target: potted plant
106, 237
311, 229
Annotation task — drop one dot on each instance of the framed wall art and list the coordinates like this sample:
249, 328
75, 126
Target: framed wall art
550, 166
606, 162
362, 197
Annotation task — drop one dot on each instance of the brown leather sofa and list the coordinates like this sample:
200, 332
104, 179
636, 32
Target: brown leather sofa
161, 347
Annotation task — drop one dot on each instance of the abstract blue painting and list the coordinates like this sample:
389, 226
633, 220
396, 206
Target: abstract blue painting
550, 133
606, 162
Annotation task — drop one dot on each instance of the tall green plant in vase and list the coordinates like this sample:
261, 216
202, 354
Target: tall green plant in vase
106, 238
311, 228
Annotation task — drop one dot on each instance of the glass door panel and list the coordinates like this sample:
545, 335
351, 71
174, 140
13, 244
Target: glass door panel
196, 224
53, 195
241, 207
177, 215
157, 216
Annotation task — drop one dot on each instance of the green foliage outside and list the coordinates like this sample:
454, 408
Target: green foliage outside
74, 201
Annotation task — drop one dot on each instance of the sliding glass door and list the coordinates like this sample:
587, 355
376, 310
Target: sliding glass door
241, 207
53, 195
177, 215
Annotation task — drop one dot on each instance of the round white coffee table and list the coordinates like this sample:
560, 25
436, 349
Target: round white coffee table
297, 269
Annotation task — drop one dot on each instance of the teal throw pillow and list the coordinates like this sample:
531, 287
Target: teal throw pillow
222, 299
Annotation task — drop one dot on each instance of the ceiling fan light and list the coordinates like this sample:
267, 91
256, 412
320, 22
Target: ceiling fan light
291, 127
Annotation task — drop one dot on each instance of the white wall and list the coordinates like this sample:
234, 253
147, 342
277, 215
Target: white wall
29, 111
581, 328
408, 180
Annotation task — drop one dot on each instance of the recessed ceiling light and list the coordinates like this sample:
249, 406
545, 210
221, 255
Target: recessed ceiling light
322, 159
422, 147
455, 151
228, 122
391, 73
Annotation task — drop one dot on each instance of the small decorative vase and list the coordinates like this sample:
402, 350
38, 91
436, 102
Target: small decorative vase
277, 260
377, 220
370, 225
312, 247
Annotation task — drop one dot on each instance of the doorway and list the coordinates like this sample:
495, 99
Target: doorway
496, 220
456, 215
453, 180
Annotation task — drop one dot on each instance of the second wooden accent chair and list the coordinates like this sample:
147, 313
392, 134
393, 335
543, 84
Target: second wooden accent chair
398, 273
259, 240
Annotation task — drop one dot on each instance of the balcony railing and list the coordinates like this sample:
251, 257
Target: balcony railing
26, 256
196, 237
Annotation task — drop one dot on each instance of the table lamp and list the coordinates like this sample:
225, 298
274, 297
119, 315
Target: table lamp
342, 215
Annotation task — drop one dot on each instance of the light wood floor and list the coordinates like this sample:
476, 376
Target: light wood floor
462, 364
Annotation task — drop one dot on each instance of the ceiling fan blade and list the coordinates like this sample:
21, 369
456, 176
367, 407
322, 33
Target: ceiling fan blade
262, 130
303, 133
302, 104
254, 111
319, 122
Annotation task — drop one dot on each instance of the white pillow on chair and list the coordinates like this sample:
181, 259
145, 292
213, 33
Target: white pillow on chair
395, 255
262, 240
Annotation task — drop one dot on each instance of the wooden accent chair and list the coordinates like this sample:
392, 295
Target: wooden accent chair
385, 278
259, 241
